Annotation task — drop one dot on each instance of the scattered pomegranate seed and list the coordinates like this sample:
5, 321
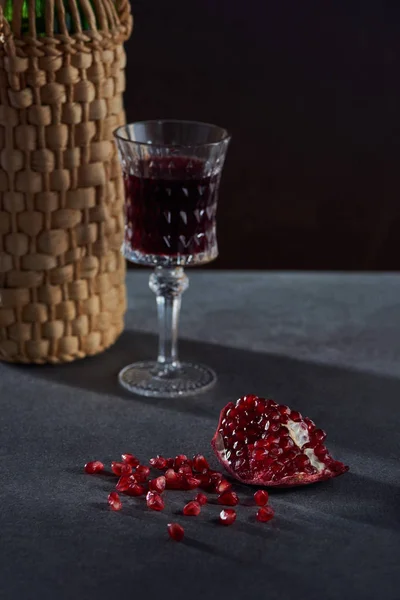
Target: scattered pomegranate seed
227, 516
142, 473
264, 514
124, 482
185, 470
206, 482
261, 497
216, 478
129, 459
114, 501
94, 467
223, 486
201, 499
192, 509
135, 490
174, 480
191, 483
200, 463
158, 484
120, 468
154, 501
159, 463
180, 460
228, 498
176, 531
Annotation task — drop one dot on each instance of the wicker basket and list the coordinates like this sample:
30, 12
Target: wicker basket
62, 277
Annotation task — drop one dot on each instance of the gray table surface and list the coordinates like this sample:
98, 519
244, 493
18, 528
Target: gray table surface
328, 345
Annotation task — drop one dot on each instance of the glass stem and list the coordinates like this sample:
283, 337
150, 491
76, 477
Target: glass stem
168, 284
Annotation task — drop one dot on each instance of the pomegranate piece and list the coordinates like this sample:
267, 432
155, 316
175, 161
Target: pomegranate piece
141, 474
176, 531
227, 516
129, 459
114, 501
201, 499
228, 498
135, 489
159, 462
95, 466
261, 497
154, 501
260, 442
192, 509
158, 484
120, 468
200, 463
264, 514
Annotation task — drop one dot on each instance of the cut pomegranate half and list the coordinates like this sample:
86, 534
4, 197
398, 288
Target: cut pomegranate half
260, 442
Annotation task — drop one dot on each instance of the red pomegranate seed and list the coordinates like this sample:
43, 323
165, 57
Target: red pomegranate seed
318, 436
141, 474
185, 470
94, 467
154, 501
223, 486
129, 459
201, 499
180, 460
159, 463
120, 468
174, 481
135, 490
227, 516
228, 498
295, 415
192, 509
321, 452
310, 423
191, 483
124, 482
302, 461
261, 497
216, 479
114, 501
200, 463
264, 514
158, 484
176, 531
206, 482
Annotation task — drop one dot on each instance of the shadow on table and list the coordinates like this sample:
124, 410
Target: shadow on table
356, 408
352, 405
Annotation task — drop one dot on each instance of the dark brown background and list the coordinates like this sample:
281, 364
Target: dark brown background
311, 93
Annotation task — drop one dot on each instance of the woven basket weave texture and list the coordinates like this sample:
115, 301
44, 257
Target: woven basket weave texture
62, 277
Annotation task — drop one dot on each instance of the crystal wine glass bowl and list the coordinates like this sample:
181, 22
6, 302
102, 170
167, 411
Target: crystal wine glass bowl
172, 171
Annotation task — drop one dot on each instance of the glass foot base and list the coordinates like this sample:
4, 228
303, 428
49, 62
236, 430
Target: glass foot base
191, 379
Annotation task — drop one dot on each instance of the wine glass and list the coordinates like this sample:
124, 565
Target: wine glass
172, 171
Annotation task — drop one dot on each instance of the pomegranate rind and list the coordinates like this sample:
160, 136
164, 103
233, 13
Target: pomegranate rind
333, 468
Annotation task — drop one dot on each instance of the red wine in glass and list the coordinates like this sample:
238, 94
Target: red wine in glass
171, 207
172, 172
